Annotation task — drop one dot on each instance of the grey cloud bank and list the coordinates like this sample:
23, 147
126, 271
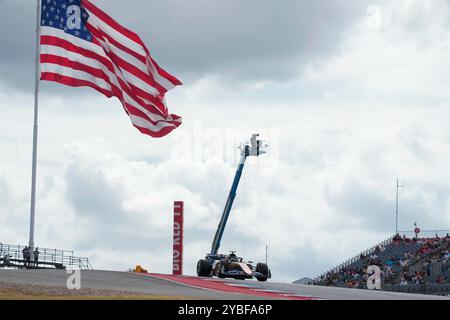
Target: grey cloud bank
238, 40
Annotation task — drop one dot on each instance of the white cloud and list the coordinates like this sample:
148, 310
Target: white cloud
405, 60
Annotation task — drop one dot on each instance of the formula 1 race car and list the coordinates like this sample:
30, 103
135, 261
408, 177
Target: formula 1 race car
232, 266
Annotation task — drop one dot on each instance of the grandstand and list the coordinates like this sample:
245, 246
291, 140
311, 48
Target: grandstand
410, 265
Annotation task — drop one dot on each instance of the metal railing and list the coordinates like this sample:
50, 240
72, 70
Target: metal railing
47, 256
441, 233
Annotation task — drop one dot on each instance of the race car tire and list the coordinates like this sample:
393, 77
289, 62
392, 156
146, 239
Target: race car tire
264, 270
203, 268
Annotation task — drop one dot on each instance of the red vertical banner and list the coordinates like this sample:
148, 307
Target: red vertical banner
178, 210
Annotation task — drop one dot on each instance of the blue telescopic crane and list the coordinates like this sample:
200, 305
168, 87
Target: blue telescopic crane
226, 211
208, 266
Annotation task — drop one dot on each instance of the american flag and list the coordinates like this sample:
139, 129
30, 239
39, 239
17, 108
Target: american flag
80, 45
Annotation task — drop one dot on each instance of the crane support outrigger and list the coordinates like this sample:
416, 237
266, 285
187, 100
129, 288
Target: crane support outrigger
232, 266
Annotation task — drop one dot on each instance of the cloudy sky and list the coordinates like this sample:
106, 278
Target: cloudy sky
348, 94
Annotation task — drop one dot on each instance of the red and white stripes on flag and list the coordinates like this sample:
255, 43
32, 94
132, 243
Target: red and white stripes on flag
109, 58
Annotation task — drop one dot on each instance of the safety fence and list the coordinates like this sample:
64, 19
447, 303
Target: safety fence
13, 256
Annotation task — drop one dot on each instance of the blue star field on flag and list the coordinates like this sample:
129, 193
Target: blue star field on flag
67, 15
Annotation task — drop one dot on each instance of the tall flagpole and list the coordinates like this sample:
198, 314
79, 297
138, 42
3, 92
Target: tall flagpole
35, 127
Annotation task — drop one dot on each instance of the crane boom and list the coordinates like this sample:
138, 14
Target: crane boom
226, 211
255, 148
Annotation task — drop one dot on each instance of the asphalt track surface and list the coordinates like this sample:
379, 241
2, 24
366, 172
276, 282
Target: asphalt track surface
198, 288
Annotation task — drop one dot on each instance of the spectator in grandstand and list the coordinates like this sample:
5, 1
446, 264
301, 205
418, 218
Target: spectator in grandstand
365, 277
389, 272
440, 280
390, 263
419, 278
403, 281
404, 263
446, 256
427, 266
